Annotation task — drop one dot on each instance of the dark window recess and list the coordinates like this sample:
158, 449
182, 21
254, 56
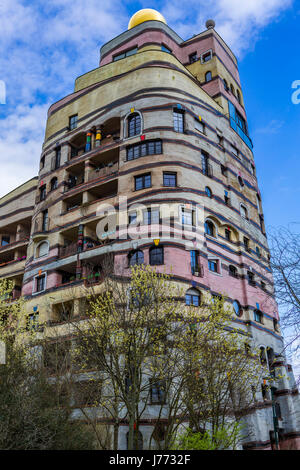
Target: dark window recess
156, 255
206, 57
233, 272
40, 283
226, 198
206, 167
53, 184
42, 162
45, 221
208, 76
73, 121
125, 54
257, 316
213, 265
170, 179
250, 277
166, 49
5, 240
193, 57
209, 228
227, 234
134, 125
246, 244
136, 257
142, 181
151, 147
225, 85
223, 170
43, 192
157, 391
208, 191
132, 218
57, 158
178, 117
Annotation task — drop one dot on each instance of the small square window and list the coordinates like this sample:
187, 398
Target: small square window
213, 265
143, 181
206, 57
170, 179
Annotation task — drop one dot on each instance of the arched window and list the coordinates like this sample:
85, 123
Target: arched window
134, 124
42, 249
210, 228
225, 84
232, 271
238, 96
156, 255
208, 191
53, 184
208, 76
237, 308
232, 89
192, 297
271, 357
137, 440
136, 257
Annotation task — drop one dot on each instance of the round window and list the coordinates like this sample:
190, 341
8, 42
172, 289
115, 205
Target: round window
208, 191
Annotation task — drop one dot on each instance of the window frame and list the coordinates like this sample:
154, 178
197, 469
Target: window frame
179, 122
158, 258
73, 121
143, 179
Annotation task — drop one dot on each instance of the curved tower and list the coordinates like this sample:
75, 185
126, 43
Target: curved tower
160, 127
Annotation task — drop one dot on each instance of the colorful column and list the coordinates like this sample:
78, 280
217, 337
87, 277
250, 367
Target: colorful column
88, 145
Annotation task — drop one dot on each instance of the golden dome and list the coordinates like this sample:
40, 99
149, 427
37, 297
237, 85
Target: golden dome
147, 14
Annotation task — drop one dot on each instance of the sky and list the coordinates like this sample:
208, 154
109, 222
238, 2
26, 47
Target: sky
44, 46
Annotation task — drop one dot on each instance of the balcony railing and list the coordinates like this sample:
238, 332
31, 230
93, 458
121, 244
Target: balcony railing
68, 250
73, 182
107, 170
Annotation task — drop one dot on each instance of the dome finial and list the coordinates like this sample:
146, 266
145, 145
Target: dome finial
147, 14
210, 24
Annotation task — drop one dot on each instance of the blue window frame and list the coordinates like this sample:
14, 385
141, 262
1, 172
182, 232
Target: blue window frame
213, 265
143, 181
238, 124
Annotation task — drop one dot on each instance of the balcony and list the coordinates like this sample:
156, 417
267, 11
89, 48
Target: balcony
104, 170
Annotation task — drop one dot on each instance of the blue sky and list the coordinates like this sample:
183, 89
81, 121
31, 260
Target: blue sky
44, 46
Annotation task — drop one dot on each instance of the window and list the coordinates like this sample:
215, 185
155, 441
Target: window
258, 252
199, 126
244, 212
223, 170
263, 286
5, 240
125, 54
209, 228
208, 76
221, 143
241, 122
237, 308
178, 117
195, 265
151, 216
134, 125
188, 216
250, 277
208, 191
257, 316
151, 147
238, 123
241, 181
213, 265
246, 244
206, 57
232, 270
73, 121
238, 95
165, 49
227, 234
32, 321
206, 167
53, 184
275, 324
225, 84
43, 192
170, 179
132, 218
226, 198
157, 391
57, 158
42, 249
42, 163
234, 150
136, 257
193, 57
40, 283
192, 297
45, 221
142, 181
156, 255
232, 89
